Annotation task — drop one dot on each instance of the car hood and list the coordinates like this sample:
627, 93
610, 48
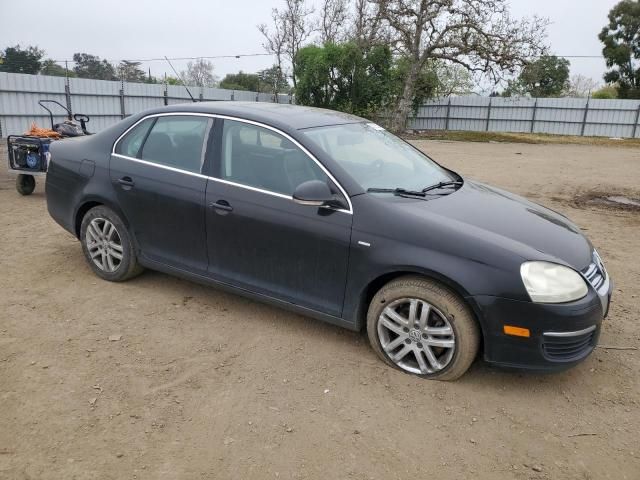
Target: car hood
510, 221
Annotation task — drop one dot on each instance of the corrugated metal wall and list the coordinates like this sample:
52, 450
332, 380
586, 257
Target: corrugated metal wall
107, 102
104, 102
560, 116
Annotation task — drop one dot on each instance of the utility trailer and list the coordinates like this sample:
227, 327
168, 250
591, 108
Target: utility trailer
29, 154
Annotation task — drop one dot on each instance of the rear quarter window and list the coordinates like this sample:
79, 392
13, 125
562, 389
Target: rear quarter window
130, 144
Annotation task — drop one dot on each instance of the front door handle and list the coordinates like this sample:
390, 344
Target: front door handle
126, 182
221, 206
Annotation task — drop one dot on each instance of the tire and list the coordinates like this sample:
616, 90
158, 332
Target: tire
108, 246
25, 184
446, 339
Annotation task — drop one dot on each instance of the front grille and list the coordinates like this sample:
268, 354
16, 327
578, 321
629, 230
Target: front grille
566, 346
594, 276
595, 273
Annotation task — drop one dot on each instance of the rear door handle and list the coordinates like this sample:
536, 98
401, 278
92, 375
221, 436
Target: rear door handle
221, 205
126, 182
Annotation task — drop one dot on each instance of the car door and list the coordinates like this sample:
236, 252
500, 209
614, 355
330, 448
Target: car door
156, 170
259, 239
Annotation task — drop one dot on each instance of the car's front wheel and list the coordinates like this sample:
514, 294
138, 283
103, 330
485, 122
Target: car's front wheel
107, 245
419, 326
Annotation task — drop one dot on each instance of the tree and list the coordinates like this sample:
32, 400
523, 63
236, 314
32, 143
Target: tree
548, 76
272, 80
90, 66
292, 27
274, 40
50, 67
169, 80
333, 17
366, 24
452, 79
581, 86
131, 72
200, 74
21, 60
241, 81
608, 92
621, 39
344, 77
479, 35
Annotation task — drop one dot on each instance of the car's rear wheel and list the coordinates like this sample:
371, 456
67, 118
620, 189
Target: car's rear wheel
421, 327
107, 245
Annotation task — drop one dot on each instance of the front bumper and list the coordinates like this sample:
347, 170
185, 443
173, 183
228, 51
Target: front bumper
562, 335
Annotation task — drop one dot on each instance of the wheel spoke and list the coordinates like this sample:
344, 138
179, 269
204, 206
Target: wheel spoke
394, 344
413, 308
424, 315
421, 363
115, 246
95, 253
439, 330
110, 262
91, 230
395, 328
402, 353
110, 230
103, 260
442, 343
105, 227
395, 316
433, 361
116, 255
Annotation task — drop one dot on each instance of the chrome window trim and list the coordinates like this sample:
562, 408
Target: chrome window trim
215, 179
570, 334
159, 165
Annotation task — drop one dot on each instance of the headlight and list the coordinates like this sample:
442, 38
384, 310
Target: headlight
552, 283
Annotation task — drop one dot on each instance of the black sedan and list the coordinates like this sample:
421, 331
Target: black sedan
333, 217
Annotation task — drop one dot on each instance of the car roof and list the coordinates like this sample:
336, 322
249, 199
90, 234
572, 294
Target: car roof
294, 117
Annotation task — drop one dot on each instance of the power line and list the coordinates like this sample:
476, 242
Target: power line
164, 59
243, 55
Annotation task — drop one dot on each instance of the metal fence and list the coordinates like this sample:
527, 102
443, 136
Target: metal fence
560, 116
105, 102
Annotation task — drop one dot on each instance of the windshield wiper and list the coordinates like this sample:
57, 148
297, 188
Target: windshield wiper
397, 191
449, 183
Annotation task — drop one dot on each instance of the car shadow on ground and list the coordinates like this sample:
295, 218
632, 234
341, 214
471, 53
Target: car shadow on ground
354, 345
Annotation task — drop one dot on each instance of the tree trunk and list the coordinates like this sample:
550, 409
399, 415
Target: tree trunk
400, 114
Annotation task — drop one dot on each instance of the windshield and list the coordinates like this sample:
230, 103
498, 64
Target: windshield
377, 159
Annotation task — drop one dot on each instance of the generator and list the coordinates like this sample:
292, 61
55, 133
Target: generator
29, 154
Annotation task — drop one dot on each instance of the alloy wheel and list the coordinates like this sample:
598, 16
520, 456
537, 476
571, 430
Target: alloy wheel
416, 336
104, 244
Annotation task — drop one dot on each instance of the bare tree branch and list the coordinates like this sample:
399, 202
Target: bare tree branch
479, 35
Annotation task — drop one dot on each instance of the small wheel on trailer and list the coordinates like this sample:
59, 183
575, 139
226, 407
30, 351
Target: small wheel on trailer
25, 184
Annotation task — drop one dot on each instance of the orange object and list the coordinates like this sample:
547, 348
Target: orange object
36, 131
516, 331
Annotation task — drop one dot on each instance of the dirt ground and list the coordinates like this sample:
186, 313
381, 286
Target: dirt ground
162, 378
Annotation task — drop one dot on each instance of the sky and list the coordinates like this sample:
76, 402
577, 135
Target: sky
143, 29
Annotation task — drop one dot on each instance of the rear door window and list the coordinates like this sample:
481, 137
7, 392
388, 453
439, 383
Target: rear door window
178, 141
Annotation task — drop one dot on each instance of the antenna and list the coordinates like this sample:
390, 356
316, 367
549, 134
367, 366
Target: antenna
180, 78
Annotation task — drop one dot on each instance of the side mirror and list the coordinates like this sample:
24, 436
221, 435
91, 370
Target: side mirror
315, 193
